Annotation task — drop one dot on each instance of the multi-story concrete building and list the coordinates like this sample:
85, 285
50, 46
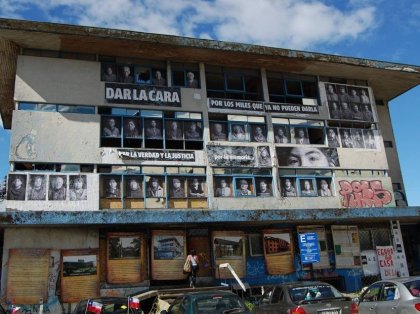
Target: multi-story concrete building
128, 149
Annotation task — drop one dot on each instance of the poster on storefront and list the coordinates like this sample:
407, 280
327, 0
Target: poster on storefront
369, 263
278, 251
386, 262
346, 246
322, 244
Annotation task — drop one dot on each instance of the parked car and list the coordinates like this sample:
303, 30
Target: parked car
109, 305
394, 296
305, 297
208, 302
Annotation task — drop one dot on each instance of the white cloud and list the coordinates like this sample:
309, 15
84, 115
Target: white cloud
296, 24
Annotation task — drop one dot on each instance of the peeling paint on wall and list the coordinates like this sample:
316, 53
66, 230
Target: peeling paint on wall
364, 194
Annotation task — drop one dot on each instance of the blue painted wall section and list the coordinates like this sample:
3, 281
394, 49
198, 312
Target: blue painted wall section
144, 217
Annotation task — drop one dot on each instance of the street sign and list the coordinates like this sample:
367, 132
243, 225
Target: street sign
308, 246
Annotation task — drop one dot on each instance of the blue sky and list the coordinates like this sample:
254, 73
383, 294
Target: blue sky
387, 30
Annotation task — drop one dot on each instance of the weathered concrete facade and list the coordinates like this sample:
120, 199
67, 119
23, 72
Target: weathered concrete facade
86, 169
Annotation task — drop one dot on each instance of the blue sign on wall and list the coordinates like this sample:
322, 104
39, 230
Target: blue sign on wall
308, 246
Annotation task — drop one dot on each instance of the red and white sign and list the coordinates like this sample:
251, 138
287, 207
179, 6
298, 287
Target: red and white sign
386, 262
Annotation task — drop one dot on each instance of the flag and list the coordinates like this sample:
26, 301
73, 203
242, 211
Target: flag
94, 307
15, 309
133, 303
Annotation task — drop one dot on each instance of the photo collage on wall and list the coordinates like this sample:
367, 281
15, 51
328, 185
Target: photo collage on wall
352, 138
349, 102
41, 187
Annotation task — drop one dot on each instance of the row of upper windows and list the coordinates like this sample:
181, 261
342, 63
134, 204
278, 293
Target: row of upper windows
135, 182
138, 186
222, 82
133, 128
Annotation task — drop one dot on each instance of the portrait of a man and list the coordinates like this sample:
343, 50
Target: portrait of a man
57, 188
134, 187
153, 129
177, 188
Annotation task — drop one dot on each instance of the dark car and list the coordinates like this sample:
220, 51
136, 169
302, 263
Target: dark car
393, 296
108, 305
208, 302
310, 297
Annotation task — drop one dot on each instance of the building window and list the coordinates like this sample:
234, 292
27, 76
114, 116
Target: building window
237, 128
185, 75
145, 72
370, 238
255, 244
388, 144
233, 83
298, 131
56, 108
151, 129
243, 182
284, 89
309, 183
396, 187
153, 187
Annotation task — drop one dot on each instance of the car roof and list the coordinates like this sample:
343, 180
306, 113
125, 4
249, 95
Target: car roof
209, 293
107, 299
401, 279
303, 283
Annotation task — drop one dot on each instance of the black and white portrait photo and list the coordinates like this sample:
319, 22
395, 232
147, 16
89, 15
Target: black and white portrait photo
154, 187
357, 137
369, 139
281, 134
342, 94
354, 96
110, 127
132, 128
367, 112
78, 188
153, 129
307, 188
263, 187
195, 187
109, 72
173, 130
37, 190
57, 188
193, 130
331, 92
126, 74
16, 187
316, 157
346, 139
112, 186
301, 135
324, 188
218, 131
244, 187
258, 133
158, 78
264, 158
134, 186
288, 188
334, 109
223, 187
191, 80
364, 96
238, 132
357, 113
332, 137
176, 187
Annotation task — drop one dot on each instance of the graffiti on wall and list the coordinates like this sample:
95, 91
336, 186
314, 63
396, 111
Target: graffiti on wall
364, 193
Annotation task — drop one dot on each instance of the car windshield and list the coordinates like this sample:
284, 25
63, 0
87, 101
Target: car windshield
413, 287
313, 292
219, 304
